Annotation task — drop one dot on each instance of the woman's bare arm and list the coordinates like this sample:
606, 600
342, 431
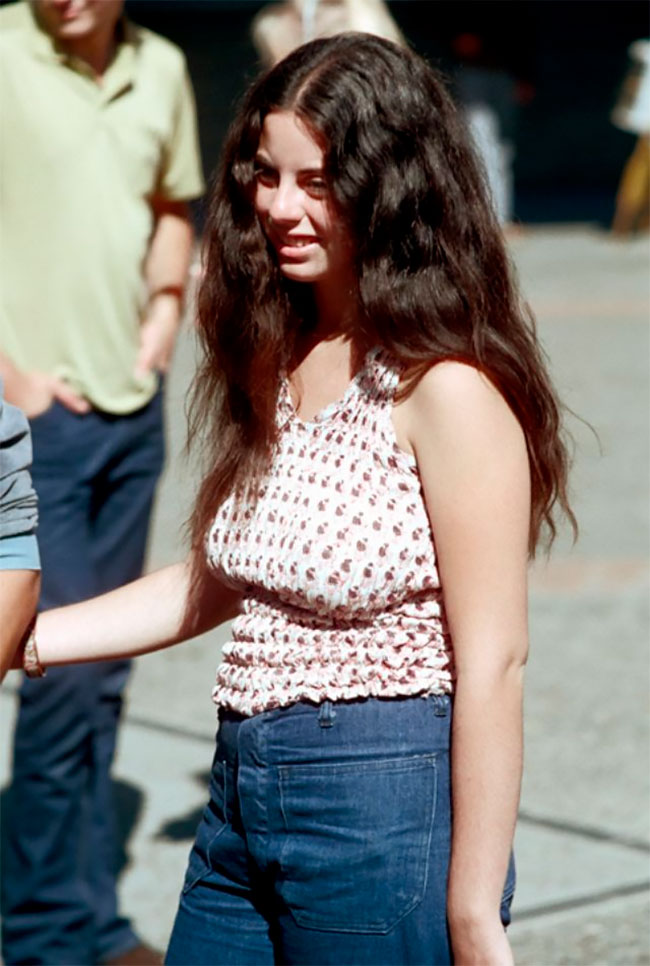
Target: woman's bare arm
156, 611
473, 463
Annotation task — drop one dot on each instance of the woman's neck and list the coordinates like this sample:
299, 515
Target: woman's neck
337, 310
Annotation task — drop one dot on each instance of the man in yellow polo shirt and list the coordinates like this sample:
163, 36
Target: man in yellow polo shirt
98, 160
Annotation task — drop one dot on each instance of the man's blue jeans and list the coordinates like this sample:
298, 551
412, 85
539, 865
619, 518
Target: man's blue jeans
95, 477
326, 839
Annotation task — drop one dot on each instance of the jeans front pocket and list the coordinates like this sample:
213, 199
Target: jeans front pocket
212, 824
357, 839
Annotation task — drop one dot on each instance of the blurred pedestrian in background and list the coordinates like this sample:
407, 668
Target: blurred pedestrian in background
632, 113
490, 45
19, 560
280, 27
99, 158
370, 380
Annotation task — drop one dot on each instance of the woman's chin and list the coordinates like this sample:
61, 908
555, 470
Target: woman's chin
300, 272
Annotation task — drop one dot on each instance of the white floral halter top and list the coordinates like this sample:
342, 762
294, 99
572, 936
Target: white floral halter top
336, 560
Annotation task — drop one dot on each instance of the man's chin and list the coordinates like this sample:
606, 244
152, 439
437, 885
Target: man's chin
72, 31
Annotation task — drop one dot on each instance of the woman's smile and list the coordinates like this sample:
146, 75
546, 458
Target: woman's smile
296, 247
293, 203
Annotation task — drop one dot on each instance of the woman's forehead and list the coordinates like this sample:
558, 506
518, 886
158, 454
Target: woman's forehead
286, 139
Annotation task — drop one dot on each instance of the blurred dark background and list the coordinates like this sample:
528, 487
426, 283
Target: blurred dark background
570, 56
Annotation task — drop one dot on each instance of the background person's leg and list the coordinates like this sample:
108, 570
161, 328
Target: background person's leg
46, 914
93, 524
120, 521
112, 933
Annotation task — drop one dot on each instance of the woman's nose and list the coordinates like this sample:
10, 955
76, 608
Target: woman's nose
286, 204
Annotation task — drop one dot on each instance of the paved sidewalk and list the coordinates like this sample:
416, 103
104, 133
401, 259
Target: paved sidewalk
583, 837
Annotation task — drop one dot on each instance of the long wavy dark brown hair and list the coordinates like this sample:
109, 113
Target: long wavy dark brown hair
434, 281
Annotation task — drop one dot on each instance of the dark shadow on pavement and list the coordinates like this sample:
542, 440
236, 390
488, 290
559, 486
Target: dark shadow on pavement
184, 827
129, 801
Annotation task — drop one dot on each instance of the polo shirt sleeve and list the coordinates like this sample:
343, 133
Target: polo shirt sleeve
18, 502
181, 177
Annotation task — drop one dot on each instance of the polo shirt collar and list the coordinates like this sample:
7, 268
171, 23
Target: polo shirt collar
118, 77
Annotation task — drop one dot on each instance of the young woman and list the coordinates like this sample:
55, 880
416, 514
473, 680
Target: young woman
383, 451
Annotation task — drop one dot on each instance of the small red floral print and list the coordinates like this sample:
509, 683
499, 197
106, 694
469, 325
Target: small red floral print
320, 617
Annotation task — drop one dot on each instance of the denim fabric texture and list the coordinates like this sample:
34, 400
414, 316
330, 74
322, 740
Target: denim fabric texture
326, 839
95, 476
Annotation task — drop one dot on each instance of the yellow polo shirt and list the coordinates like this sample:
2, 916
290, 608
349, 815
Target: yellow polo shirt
79, 163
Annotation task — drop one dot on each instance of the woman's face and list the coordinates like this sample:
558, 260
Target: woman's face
293, 202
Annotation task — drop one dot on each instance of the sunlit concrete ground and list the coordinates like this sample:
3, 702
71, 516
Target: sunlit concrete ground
583, 836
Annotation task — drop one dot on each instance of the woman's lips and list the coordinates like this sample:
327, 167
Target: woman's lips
296, 247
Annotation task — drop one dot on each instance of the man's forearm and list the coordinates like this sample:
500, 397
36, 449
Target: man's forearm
170, 250
12, 378
166, 274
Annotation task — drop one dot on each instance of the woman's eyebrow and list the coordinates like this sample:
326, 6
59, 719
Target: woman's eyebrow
316, 168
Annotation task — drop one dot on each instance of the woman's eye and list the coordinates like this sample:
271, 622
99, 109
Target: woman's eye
317, 186
265, 177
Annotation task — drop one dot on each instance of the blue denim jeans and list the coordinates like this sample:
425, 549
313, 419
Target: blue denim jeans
95, 477
326, 839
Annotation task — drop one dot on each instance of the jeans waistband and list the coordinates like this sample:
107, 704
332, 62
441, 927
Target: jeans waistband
373, 727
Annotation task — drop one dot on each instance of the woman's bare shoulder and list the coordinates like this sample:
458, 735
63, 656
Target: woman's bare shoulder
459, 397
453, 381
